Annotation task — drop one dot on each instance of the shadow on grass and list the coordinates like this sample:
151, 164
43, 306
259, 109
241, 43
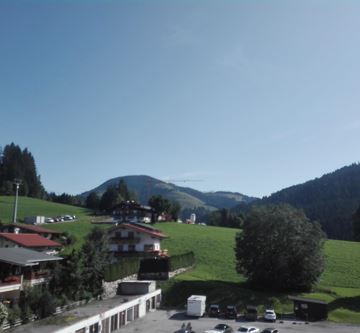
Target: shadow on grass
175, 294
349, 303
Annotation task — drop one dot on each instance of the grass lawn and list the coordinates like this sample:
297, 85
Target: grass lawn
215, 275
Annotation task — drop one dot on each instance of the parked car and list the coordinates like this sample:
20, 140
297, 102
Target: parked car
231, 312
270, 330
270, 315
251, 312
49, 220
214, 310
221, 328
248, 329
68, 218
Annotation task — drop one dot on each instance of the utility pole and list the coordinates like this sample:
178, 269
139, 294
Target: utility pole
17, 183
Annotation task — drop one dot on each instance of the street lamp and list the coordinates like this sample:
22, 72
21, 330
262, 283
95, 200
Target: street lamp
17, 183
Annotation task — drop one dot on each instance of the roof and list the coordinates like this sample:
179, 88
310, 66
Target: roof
24, 257
74, 316
132, 205
143, 228
307, 300
29, 240
31, 228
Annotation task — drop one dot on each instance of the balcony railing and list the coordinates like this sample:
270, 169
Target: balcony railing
13, 279
36, 275
124, 240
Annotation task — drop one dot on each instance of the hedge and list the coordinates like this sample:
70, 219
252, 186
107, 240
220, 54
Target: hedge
182, 260
121, 269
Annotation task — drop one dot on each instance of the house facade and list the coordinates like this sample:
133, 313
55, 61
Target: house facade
132, 212
21, 268
127, 239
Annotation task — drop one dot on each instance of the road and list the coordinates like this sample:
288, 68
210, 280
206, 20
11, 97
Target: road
162, 321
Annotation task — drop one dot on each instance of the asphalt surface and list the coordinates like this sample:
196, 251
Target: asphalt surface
162, 321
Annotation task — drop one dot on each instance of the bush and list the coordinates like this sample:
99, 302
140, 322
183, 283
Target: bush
3, 314
121, 269
14, 314
182, 260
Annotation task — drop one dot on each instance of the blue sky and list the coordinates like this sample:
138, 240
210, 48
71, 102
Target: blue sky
248, 96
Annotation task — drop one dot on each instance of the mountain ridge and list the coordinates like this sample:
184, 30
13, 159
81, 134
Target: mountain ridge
190, 199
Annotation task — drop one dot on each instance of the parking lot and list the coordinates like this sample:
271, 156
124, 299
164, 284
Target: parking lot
162, 321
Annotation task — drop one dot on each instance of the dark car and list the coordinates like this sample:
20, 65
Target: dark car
214, 310
231, 312
251, 312
270, 330
223, 328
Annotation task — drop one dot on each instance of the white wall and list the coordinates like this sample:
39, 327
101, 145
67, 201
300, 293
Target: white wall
139, 247
141, 301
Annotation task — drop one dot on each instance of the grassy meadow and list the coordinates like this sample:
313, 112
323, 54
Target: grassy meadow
214, 273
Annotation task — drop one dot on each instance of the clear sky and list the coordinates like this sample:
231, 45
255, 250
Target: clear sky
248, 96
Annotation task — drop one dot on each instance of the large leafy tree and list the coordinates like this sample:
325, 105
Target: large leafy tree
163, 205
159, 204
109, 199
95, 257
280, 248
92, 201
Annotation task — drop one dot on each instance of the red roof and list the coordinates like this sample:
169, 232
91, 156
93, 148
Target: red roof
29, 240
32, 228
151, 232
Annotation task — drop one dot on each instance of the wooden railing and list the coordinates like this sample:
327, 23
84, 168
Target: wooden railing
13, 279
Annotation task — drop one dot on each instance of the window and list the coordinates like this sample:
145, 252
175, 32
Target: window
130, 314
118, 234
122, 318
120, 248
114, 323
136, 311
131, 248
148, 247
94, 328
130, 235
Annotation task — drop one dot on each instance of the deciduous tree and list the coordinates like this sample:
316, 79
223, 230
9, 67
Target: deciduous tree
280, 248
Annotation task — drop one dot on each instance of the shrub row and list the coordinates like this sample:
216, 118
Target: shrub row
123, 268
182, 260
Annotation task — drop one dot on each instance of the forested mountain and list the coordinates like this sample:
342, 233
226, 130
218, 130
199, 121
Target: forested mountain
331, 200
190, 200
20, 164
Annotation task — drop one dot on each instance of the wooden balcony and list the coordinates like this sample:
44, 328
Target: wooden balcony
13, 279
10, 283
124, 240
36, 275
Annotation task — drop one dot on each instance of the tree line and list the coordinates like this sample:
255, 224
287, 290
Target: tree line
16, 163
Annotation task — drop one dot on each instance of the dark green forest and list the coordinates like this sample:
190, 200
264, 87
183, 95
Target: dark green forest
16, 163
331, 200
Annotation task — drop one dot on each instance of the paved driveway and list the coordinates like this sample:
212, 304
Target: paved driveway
162, 321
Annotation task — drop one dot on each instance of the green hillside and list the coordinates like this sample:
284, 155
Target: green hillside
331, 200
215, 276
32, 207
214, 273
